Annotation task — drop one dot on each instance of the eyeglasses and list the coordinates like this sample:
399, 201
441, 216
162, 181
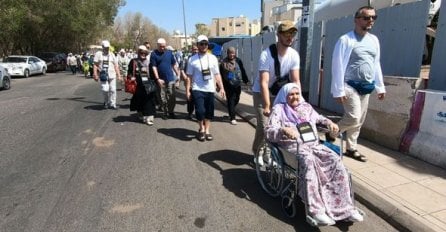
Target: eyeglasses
203, 44
368, 18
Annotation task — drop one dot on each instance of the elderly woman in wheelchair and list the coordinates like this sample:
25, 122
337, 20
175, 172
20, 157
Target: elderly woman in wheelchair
324, 184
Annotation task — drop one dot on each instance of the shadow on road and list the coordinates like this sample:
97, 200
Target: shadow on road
179, 133
126, 118
243, 183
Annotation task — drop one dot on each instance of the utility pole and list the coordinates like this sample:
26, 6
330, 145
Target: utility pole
185, 33
305, 43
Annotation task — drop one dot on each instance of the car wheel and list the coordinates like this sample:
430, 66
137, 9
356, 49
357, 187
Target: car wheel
26, 73
6, 83
43, 71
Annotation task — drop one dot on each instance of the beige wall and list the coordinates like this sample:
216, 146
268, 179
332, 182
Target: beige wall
229, 26
267, 14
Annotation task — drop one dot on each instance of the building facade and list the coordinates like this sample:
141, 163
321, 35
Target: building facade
232, 26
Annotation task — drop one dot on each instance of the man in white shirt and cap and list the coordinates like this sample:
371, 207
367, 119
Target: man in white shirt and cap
106, 70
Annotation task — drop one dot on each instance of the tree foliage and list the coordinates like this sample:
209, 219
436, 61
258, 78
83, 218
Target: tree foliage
134, 29
33, 26
201, 29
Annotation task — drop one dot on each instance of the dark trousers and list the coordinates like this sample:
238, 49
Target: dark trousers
232, 99
204, 105
73, 69
190, 104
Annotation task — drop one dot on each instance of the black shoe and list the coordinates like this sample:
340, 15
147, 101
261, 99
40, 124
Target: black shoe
329, 138
190, 117
172, 116
355, 155
164, 117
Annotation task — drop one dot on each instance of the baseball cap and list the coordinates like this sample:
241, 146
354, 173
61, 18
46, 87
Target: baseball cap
202, 38
286, 25
161, 41
105, 44
142, 48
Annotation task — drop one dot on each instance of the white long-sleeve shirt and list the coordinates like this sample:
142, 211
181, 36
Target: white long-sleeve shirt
340, 60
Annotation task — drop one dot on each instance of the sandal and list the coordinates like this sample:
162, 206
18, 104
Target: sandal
355, 155
209, 137
201, 136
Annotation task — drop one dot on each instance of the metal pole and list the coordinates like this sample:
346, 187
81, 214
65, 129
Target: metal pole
184, 21
305, 44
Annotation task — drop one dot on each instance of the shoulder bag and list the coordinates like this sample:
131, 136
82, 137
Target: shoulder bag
280, 81
149, 83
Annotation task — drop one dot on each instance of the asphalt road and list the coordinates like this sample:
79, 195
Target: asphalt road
66, 164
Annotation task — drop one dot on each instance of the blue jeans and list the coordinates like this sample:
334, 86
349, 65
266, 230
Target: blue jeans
204, 105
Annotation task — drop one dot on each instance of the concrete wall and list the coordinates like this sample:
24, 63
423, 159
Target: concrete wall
428, 143
387, 120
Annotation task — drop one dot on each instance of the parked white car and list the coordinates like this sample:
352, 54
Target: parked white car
24, 65
5, 79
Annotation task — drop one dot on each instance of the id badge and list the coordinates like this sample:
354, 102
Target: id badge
206, 74
306, 132
144, 78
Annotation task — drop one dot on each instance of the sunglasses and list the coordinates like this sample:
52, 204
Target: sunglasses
368, 18
203, 44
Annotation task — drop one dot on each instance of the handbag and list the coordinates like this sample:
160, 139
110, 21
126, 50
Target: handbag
274, 89
103, 75
130, 86
362, 87
150, 86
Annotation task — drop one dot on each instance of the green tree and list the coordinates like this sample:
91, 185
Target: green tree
33, 26
201, 29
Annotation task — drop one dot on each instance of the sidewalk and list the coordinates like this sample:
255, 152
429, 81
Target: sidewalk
408, 193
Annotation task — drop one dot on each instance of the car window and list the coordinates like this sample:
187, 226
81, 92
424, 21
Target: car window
15, 60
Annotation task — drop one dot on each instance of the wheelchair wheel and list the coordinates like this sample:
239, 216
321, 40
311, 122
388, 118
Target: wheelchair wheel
269, 169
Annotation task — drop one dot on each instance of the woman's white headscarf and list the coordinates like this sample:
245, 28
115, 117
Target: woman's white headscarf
281, 97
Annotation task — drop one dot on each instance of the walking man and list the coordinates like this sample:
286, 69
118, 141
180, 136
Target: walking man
106, 70
163, 65
203, 73
288, 65
356, 72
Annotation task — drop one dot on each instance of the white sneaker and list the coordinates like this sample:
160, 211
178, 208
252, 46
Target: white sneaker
149, 120
355, 217
234, 122
323, 220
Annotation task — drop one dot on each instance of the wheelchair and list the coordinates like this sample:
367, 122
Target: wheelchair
276, 171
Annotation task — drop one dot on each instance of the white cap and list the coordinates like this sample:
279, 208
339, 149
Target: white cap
202, 38
122, 50
161, 41
142, 47
170, 48
105, 44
